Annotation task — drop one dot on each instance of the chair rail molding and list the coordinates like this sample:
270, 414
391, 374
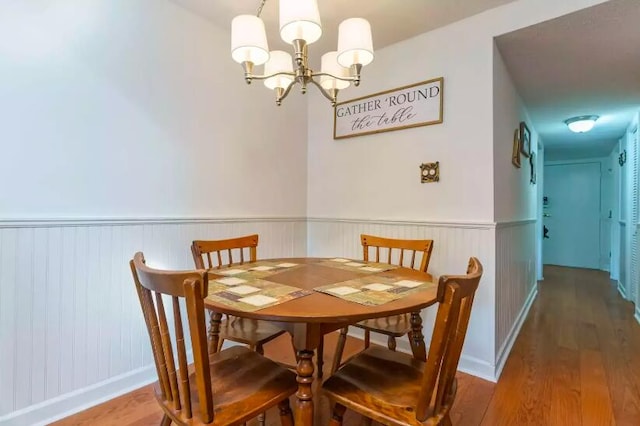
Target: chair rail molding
71, 325
113, 221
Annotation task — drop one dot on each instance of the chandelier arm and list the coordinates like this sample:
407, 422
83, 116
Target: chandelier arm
326, 93
281, 95
321, 74
264, 77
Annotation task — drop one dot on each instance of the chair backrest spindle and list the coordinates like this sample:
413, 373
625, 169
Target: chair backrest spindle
414, 246
455, 295
203, 249
192, 286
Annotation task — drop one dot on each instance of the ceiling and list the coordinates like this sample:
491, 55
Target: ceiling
584, 63
416, 16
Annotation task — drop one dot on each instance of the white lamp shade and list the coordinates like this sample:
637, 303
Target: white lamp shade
300, 20
331, 66
355, 45
279, 61
249, 40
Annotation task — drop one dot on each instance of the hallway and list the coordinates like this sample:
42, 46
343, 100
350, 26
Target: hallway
577, 359
576, 362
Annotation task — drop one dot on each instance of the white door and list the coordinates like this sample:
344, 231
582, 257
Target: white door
572, 215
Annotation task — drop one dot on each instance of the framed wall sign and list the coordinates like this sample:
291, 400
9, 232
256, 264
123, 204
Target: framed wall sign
418, 104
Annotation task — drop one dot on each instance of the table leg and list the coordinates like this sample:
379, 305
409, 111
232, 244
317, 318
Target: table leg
418, 348
214, 332
304, 402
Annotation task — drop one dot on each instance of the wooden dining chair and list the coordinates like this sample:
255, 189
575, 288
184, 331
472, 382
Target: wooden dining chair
215, 254
401, 253
396, 389
230, 387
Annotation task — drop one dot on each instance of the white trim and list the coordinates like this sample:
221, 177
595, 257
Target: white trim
514, 223
445, 224
468, 364
505, 350
622, 290
637, 314
122, 221
73, 402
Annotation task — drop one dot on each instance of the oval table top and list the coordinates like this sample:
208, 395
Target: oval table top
323, 308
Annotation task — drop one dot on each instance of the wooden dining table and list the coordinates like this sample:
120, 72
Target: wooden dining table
310, 317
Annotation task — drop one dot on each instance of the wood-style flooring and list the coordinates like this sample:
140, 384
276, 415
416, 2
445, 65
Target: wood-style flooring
575, 362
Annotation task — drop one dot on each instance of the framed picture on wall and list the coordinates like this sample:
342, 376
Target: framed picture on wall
525, 139
515, 156
532, 163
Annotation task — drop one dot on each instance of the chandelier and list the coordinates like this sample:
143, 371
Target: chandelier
300, 26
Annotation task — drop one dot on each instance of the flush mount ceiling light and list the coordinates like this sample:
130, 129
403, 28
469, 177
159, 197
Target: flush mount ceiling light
581, 124
300, 26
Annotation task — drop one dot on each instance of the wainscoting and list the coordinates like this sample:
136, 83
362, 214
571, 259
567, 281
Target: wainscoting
454, 243
71, 329
515, 283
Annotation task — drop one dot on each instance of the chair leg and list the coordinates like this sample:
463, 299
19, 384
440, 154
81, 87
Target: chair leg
261, 419
391, 343
338, 413
320, 357
166, 420
260, 349
220, 343
337, 358
367, 338
286, 416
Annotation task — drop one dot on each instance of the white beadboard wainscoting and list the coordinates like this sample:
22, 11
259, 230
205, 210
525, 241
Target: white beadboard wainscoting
71, 328
454, 243
516, 284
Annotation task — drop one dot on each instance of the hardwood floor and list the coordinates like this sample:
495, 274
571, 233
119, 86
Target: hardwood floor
575, 362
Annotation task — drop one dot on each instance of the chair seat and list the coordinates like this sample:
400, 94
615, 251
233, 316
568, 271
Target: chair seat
379, 384
248, 331
396, 325
245, 384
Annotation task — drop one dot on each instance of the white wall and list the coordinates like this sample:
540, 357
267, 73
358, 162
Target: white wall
134, 109
375, 179
515, 212
515, 198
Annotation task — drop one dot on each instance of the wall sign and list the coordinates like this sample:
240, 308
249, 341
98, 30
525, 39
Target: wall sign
418, 104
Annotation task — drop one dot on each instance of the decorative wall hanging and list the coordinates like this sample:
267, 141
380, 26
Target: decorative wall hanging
622, 158
418, 104
525, 139
532, 163
515, 153
430, 172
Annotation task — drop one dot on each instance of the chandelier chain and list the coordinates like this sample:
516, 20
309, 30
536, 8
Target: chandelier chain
260, 8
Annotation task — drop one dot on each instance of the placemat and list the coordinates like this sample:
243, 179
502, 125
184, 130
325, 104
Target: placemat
251, 295
374, 290
357, 265
253, 270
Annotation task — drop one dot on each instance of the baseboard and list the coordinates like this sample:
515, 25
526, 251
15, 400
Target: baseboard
622, 290
505, 350
468, 364
73, 402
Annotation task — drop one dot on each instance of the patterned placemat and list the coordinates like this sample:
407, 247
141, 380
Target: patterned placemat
254, 270
374, 290
251, 295
357, 265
